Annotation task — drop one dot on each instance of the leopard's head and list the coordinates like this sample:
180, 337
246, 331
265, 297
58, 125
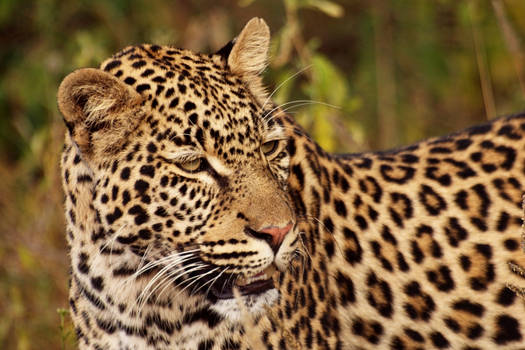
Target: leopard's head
189, 170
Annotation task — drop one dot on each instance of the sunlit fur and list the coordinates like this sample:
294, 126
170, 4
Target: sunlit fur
405, 249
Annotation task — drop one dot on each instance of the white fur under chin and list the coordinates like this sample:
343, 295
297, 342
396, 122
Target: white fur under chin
254, 305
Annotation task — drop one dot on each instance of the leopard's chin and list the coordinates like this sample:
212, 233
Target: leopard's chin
254, 305
255, 294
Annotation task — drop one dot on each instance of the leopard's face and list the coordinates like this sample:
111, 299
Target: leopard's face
194, 191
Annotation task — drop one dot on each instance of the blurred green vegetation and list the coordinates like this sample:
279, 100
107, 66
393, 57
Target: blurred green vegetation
364, 75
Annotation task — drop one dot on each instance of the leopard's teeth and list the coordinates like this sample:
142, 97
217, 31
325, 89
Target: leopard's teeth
266, 274
244, 281
241, 281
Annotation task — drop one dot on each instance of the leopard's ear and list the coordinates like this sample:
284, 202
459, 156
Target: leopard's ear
248, 55
99, 110
250, 50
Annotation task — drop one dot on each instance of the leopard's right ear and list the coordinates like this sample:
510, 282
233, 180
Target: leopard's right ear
99, 110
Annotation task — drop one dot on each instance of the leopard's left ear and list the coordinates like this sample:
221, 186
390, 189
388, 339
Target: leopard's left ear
247, 55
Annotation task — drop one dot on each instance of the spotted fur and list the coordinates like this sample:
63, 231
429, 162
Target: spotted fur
178, 173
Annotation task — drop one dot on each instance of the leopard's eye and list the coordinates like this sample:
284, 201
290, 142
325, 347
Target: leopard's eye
192, 165
268, 148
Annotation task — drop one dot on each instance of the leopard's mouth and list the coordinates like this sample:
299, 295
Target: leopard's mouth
253, 285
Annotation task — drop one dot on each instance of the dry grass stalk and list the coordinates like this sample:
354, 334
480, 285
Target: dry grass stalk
511, 40
484, 74
385, 75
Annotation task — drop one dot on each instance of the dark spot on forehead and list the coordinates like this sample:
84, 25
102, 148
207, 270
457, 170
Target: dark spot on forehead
188, 106
147, 73
112, 64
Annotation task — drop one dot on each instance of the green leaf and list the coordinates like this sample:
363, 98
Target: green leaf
329, 84
328, 7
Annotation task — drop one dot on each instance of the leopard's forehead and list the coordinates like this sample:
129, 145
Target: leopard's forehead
195, 100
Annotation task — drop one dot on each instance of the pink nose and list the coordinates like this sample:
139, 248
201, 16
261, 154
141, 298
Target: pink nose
277, 233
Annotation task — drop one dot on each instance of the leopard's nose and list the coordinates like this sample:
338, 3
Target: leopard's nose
274, 235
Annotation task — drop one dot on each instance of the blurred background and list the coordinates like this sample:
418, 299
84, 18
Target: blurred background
366, 74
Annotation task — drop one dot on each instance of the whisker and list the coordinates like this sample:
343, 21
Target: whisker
175, 260
296, 103
143, 297
172, 279
227, 281
319, 222
268, 113
210, 281
189, 280
304, 245
195, 281
179, 257
284, 82
110, 241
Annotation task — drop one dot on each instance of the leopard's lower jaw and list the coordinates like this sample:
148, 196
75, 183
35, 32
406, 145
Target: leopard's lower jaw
254, 305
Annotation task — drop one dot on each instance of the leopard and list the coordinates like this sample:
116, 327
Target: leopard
200, 215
